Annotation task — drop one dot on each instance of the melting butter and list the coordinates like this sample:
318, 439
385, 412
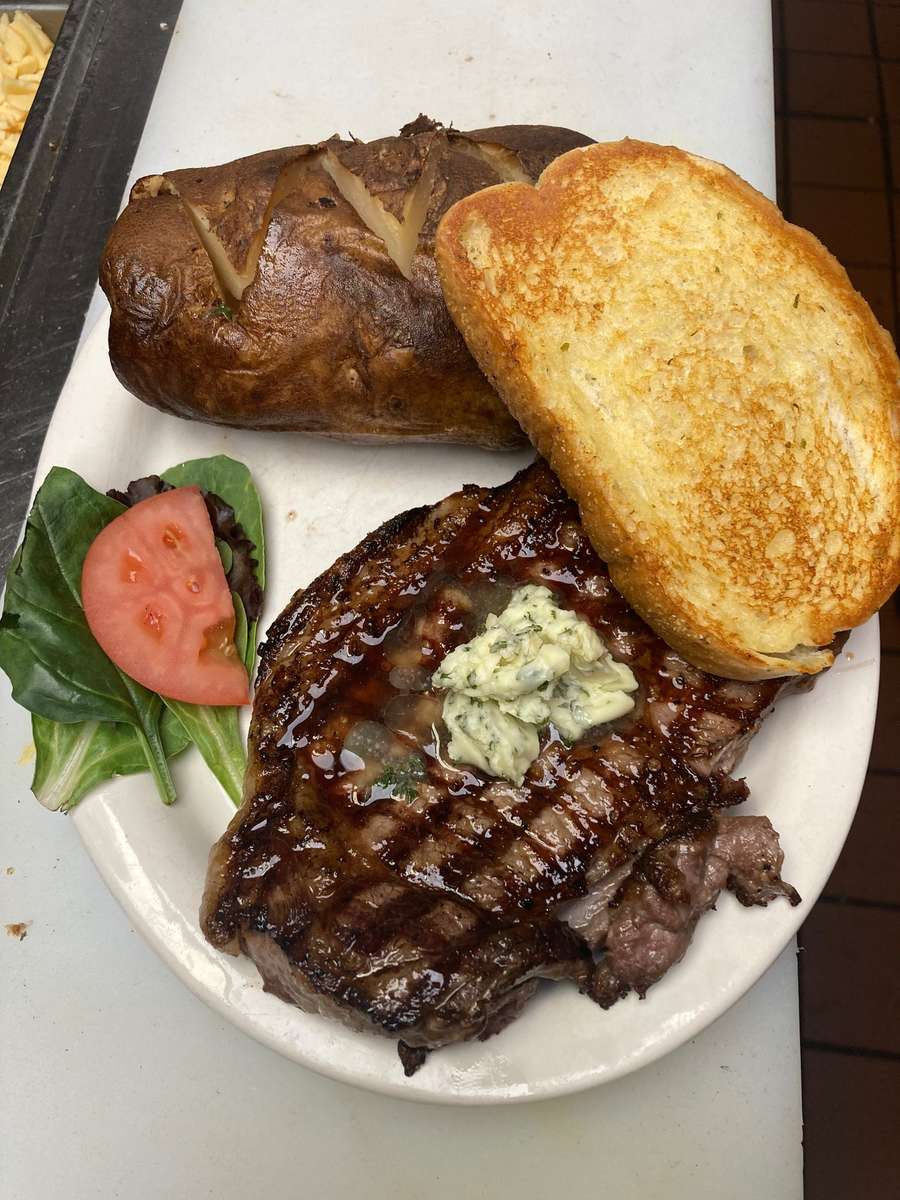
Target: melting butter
536, 664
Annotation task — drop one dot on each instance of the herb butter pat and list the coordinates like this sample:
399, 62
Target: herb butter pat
535, 664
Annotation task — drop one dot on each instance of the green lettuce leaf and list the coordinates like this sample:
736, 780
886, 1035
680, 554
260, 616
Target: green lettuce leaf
56, 668
90, 720
215, 731
72, 759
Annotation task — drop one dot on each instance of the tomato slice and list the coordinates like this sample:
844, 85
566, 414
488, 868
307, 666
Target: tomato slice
157, 601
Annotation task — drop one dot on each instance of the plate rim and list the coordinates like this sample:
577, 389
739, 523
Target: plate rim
698, 1020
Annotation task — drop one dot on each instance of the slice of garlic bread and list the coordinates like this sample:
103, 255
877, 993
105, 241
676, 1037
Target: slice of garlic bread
707, 385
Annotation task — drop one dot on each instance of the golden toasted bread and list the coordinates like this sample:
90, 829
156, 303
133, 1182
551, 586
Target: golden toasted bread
707, 385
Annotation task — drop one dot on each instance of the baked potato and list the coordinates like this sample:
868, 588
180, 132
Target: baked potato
296, 289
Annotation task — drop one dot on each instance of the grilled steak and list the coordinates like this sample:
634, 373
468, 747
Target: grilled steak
426, 904
643, 915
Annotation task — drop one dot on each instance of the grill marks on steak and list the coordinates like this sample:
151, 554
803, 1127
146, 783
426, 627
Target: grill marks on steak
430, 917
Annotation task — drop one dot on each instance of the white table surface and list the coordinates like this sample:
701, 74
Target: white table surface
114, 1080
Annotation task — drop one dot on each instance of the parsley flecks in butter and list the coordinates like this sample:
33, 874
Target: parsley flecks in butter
535, 664
401, 777
485, 736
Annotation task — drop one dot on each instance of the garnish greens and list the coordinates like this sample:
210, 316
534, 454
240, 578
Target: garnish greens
90, 721
214, 729
401, 777
71, 759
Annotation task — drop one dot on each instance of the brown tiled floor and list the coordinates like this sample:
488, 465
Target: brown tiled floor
877, 285
831, 85
849, 968
867, 870
886, 746
852, 1109
838, 104
826, 26
854, 225
835, 153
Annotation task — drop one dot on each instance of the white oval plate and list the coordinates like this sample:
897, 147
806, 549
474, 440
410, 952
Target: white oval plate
805, 768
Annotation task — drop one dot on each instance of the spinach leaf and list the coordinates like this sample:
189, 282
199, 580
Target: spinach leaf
71, 759
215, 731
56, 668
90, 720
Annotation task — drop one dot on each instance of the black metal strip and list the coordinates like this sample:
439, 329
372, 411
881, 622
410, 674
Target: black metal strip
61, 195
32, 166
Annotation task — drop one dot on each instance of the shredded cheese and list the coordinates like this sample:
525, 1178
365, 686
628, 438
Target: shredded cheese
24, 53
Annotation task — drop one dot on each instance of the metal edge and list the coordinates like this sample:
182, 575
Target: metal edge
62, 194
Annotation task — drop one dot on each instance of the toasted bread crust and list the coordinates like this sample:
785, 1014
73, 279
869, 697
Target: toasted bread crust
708, 386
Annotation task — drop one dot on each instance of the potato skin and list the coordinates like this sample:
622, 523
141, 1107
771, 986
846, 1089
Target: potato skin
329, 337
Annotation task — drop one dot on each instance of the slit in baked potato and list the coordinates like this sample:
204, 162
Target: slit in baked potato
400, 237
499, 158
